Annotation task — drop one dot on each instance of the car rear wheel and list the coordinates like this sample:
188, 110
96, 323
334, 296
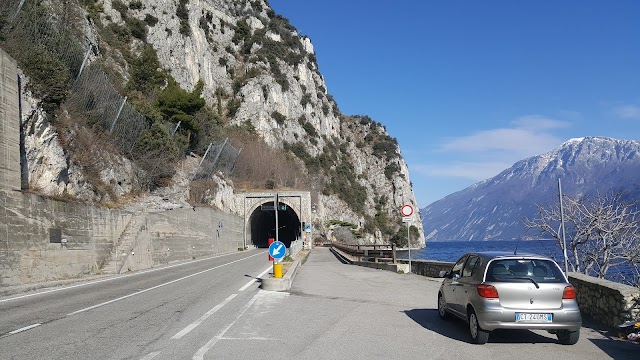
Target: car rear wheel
478, 336
567, 337
442, 308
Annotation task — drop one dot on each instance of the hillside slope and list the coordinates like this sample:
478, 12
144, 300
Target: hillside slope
257, 76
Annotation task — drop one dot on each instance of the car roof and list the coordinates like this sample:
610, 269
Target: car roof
490, 255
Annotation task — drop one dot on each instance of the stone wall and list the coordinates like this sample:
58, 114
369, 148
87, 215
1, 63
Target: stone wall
428, 268
607, 302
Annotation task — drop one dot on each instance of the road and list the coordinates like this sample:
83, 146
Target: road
209, 309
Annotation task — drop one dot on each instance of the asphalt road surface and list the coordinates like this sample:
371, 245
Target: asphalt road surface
213, 309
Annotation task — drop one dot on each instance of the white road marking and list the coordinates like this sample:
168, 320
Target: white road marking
151, 355
193, 325
155, 287
203, 350
117, 277
24, 329
254, 280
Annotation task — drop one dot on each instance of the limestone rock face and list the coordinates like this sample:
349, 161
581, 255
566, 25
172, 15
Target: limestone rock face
243, 50
48, 168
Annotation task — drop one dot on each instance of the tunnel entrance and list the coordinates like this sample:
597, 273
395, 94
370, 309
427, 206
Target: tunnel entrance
262, 223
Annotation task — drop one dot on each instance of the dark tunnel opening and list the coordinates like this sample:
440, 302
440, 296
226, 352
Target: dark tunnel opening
263, 221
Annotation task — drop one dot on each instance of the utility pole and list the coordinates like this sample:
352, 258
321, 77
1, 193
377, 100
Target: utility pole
564, 240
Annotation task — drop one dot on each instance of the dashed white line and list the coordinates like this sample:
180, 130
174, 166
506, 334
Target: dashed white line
155, 287
151, 355
115, 278
254, 280
193, 325
203, 350
24, 329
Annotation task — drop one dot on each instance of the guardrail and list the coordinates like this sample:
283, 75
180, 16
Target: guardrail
295, 248
370, 253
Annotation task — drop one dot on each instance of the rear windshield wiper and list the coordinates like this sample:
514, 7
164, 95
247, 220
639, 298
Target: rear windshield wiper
527, 278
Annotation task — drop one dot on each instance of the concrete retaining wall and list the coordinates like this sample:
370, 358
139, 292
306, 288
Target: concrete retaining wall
9, 124
45, 240
184, 234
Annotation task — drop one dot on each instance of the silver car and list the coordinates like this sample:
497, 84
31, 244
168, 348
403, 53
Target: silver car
500, 290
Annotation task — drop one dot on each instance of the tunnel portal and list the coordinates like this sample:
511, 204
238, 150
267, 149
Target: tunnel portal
263, 221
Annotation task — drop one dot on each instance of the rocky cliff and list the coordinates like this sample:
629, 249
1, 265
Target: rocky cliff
255, 72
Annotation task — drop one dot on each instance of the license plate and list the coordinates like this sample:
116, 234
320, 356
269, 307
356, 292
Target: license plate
534, 317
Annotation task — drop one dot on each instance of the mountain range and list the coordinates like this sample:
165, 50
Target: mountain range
495, 209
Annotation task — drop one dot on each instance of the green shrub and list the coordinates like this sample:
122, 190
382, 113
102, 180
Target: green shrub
136, 5
183, 14
344, 184
242, 33
120, 7
232, 107
138, 28
144, 73
150, 20
121, 33
49, 77
178, 104
310, 129
278, 117
306, 98
390, 170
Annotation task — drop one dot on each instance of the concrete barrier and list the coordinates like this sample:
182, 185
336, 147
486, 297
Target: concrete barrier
268, 282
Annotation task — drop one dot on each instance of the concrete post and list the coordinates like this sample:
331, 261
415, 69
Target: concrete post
9, 124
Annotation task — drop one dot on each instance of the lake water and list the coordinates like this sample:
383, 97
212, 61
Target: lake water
452, 250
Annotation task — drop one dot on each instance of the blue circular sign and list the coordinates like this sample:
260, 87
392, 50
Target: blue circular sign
277, 250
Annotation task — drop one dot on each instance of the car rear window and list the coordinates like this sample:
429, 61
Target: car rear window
522, 269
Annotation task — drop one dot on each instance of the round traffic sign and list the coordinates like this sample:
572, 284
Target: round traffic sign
277, 250
406, 210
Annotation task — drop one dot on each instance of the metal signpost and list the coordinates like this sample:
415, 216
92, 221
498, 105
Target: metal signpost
407, 211
277, 250
275, 204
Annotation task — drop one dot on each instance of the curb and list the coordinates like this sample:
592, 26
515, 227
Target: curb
270, 283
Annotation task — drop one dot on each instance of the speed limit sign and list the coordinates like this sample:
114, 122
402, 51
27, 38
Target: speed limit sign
406, 210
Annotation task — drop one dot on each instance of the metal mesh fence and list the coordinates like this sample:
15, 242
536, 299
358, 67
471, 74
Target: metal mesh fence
26, 24
220, 156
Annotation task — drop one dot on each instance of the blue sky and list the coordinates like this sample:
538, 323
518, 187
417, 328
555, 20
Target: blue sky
471, 87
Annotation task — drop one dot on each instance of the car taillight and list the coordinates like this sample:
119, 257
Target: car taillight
487, 291
569, 292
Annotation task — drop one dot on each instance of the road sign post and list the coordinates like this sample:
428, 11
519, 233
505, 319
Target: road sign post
270, 241
277, 250
407, 210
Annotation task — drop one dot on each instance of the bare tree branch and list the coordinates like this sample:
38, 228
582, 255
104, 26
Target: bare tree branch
602, 233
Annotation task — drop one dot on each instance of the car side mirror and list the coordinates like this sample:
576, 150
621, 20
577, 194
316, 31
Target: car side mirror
443, 273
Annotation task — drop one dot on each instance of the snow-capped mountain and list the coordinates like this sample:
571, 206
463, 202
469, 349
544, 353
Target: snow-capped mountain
495, 209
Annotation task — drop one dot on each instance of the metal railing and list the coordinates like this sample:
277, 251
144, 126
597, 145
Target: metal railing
26, 25
370, 253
